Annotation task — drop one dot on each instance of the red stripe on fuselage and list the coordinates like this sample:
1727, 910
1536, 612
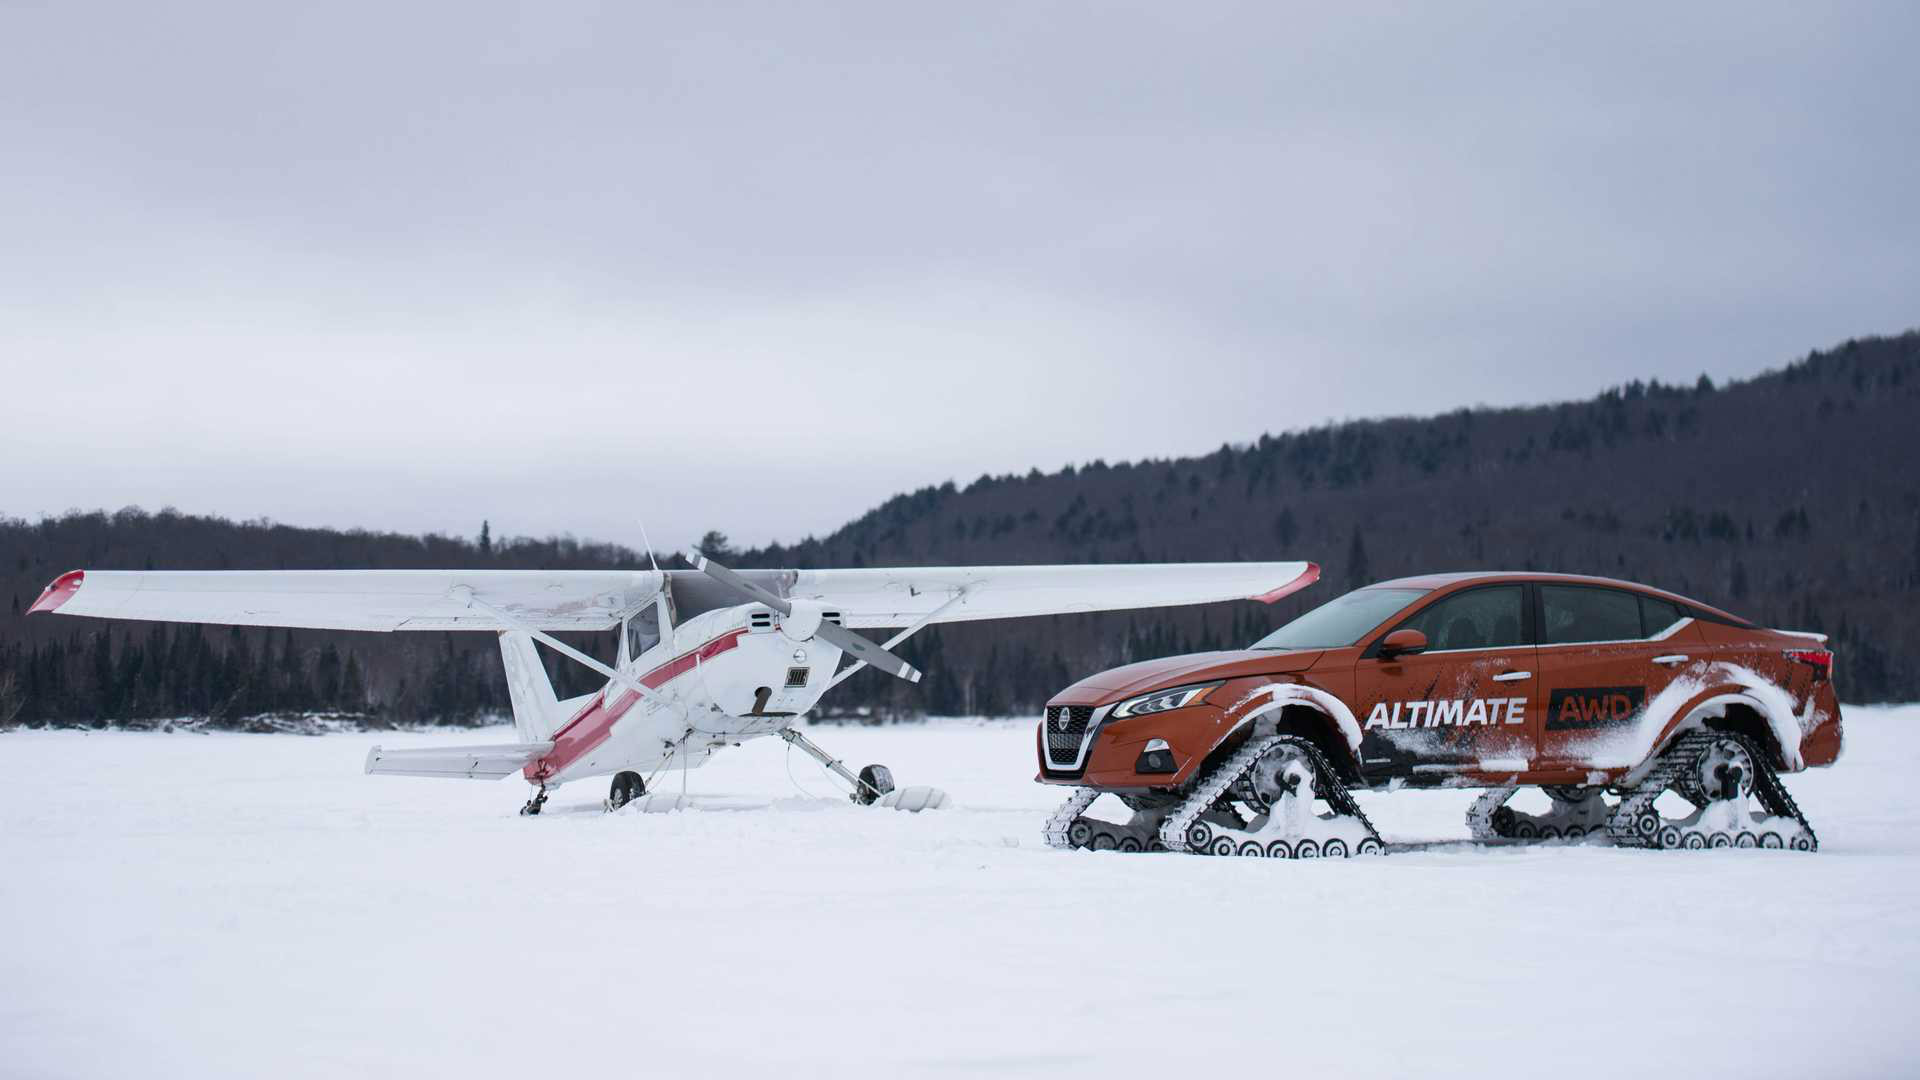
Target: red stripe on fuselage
591, 725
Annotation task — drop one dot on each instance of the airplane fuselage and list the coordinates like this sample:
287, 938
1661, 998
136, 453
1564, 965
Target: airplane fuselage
720, 678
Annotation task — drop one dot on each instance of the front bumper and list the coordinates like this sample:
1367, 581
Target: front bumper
1082, 745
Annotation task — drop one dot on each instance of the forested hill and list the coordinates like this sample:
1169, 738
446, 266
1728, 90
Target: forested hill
1791, 497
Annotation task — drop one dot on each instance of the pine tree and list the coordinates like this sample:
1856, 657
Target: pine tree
1358, 573
486, 537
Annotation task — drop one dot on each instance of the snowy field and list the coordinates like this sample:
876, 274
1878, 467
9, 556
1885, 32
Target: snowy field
252, 905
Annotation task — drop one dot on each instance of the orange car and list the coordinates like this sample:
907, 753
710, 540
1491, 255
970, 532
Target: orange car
1586, 687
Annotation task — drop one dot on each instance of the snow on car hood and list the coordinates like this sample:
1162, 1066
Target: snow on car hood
1147, 675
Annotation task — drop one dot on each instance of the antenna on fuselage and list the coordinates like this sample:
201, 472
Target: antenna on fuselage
649, 543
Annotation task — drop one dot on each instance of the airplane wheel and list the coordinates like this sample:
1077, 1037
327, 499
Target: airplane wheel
875, 781
626, 787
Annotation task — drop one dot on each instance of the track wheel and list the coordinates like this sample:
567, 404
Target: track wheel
1104, 841
1279, 849
1200, 837
1223, 845
1669, 836
875, 781
1370, 846
1129, 844
1306, 849
1334, 849
1252, 849
1080, 833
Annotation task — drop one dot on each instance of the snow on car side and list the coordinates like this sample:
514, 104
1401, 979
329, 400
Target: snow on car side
1582, 686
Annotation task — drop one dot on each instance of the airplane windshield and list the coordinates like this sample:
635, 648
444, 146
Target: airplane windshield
1341, 621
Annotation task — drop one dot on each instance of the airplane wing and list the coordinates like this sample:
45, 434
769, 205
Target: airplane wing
871, 598
356, 599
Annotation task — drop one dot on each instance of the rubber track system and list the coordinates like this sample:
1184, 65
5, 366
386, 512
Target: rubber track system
1185, 830
1067, 828
1636, 823
1575, 813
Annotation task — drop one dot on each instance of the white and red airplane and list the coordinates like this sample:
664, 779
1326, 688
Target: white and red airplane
708, 657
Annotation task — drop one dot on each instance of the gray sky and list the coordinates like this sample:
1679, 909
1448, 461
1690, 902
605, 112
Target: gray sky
756, 268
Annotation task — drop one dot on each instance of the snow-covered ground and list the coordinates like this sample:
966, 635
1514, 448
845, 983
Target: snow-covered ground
251, 905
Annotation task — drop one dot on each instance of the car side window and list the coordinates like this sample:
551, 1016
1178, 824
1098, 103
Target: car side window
1576, 614
1486, 618
1656, 615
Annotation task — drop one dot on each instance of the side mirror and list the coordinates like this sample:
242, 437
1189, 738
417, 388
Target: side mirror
1401, 642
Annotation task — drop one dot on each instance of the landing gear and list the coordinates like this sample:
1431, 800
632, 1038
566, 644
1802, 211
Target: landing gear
874, 784
627, 786
534, 804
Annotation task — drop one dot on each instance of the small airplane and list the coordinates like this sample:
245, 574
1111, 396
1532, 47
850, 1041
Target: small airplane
707, 658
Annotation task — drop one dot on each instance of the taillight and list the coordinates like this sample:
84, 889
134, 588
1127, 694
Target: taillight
1820, 660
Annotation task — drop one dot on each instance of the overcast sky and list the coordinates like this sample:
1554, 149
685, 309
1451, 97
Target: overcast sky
565, 265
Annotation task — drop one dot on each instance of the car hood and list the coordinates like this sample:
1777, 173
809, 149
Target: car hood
1130, 679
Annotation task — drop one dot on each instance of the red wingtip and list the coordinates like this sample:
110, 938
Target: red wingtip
59, 592
1307, 577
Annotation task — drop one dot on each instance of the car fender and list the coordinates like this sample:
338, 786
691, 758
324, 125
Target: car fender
1265, 702
1701, 692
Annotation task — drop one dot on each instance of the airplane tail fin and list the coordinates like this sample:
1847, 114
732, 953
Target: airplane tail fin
536, 711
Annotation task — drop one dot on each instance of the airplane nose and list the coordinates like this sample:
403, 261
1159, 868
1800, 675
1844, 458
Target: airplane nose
803, 621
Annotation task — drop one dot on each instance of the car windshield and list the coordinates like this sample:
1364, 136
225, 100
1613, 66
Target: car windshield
1340, 621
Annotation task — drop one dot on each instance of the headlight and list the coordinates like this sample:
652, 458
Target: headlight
1161, 700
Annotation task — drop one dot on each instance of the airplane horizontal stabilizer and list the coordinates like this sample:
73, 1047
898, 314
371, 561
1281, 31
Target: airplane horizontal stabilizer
460, 762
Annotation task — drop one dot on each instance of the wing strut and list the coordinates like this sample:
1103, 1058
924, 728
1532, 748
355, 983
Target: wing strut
896, 639
566, 650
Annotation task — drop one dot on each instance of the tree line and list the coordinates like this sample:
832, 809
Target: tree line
1787, 498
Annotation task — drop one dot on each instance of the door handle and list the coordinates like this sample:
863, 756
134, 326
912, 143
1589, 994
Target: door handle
1676, 658
1513, 676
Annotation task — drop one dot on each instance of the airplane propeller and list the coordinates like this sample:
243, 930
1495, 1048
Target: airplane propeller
804, 619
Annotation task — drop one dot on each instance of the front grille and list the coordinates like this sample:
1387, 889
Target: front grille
1066, 731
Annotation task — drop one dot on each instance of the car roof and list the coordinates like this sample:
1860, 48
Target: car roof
1441, 581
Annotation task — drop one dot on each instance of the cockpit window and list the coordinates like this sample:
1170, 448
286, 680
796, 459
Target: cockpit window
1341, 621
643, 630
